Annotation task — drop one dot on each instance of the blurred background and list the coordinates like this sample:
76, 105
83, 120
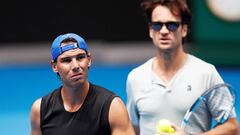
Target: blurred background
117, 35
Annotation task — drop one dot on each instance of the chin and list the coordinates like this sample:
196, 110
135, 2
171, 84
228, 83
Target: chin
165, 47
77, 82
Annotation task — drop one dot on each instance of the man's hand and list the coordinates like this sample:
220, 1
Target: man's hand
163, 125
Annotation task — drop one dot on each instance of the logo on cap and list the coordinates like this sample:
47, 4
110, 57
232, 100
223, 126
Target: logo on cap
57, 49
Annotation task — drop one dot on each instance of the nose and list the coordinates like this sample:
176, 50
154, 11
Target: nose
164, 30
75, 65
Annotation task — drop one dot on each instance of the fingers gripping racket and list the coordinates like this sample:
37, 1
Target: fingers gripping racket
215, 103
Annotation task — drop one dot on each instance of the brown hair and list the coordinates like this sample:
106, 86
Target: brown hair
177, 7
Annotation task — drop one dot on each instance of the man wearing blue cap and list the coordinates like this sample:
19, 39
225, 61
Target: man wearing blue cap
78, 107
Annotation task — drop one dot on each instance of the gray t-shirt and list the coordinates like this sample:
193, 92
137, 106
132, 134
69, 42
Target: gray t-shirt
149, 99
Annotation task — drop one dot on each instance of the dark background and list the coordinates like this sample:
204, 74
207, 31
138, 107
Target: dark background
31, 21
211, 38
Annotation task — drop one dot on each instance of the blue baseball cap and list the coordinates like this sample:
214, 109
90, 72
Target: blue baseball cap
57, 49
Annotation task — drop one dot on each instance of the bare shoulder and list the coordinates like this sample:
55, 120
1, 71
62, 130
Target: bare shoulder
36, 106
35, 118
117, 112
118, 118
35, 111
117, 101
117, 108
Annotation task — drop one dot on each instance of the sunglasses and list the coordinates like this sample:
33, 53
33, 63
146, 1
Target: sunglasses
171, 26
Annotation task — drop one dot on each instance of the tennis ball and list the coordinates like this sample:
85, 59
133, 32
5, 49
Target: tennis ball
164, 125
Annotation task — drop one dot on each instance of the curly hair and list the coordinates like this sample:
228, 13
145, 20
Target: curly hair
177, 7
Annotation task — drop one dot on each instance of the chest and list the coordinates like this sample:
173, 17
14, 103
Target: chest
55, 120
157, 98
65, 123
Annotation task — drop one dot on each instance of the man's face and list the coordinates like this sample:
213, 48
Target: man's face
168, 31
72, 66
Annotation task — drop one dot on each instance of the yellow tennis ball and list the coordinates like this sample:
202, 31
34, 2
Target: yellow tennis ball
164, 126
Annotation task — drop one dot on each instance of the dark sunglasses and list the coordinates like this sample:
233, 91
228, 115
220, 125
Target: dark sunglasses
171, 26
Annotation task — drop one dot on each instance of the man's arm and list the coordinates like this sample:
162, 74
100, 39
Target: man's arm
35, 118
219, 100
118, 118
230, 127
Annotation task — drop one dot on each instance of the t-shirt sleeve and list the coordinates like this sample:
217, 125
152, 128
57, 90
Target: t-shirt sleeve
131, 104
215, 76
221, 104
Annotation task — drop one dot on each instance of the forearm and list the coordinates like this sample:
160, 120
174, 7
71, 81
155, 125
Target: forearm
230, 127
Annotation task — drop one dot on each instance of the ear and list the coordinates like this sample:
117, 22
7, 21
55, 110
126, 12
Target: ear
89, 60
184, 30
150, 32
54, 66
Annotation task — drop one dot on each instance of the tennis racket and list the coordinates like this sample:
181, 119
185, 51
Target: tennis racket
213, 106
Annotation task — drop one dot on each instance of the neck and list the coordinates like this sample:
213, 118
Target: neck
73, 97
168, 63
170, 59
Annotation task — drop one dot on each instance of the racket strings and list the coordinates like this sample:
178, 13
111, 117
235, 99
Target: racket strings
200, 110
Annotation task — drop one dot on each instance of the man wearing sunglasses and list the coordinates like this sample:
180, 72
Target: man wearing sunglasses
167, 85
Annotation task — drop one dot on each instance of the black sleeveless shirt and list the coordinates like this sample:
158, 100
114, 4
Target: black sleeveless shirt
90, 119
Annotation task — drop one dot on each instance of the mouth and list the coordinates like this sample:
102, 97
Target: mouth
77, 76
164, 40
